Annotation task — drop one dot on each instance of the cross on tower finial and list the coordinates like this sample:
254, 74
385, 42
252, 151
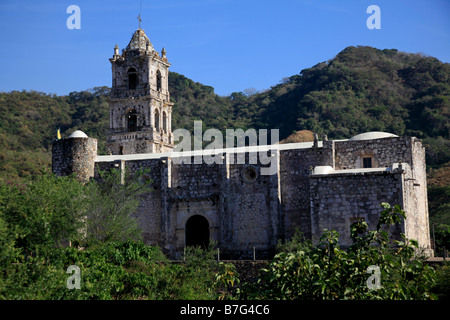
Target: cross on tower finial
139, 16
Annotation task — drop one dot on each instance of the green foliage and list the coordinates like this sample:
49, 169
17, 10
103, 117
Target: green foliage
39, 216
113, 200
441, 234
117, 270
29, 120
198, 258
226, 280
44, 211
326, 271
48, 210
442, 286
439, 210
437, 151
297, 242
33, 267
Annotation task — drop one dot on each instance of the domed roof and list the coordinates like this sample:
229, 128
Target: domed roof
140, 41
373, 135
78, 134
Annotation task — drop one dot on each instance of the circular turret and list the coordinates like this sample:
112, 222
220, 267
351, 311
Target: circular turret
75, 154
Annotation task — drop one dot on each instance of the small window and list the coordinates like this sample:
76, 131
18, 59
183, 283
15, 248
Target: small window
158, 80
132, 78
131, 121
157, 120
367, 162
120, 150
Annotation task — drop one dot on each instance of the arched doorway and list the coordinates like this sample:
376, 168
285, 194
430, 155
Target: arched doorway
197, 231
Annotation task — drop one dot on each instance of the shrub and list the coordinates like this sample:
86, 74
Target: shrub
329, 272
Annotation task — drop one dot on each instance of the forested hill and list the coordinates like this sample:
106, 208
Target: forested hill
361, 89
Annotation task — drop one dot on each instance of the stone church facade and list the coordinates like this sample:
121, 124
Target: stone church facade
313, 185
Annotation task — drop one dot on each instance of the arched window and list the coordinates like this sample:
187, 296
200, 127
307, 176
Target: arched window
132, 78
131, 120
157, 120
164, 121
158, 80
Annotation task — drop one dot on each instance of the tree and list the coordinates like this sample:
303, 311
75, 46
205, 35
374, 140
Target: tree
113, 200
250, 91
45, 210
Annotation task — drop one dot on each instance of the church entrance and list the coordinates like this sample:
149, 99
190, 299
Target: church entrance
197, 231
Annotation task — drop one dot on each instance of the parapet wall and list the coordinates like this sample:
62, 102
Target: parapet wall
384, 152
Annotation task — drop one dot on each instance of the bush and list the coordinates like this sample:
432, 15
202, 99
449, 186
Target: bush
329, 272
38, 218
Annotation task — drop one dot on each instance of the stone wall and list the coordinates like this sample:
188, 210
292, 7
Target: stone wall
415, 197
295, 169
154, 205
74, 155
385, 152
243, 211
246, 209
340, 199
195, 180
251, 211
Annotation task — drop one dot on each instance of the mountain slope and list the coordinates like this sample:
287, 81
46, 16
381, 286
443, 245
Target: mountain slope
363, 89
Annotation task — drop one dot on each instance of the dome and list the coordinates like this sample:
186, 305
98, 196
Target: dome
78, 134
373, 135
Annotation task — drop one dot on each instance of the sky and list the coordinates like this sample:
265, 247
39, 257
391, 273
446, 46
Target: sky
230, 45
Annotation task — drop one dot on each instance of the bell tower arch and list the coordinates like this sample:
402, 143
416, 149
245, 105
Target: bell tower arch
139, 104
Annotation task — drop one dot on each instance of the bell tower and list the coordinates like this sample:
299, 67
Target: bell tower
140, 111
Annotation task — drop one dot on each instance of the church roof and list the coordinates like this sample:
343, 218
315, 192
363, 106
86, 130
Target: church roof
139, 40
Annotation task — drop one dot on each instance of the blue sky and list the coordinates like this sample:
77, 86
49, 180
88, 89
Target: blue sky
228, 44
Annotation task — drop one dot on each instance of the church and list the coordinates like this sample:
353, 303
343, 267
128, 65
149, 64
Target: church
323, 184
